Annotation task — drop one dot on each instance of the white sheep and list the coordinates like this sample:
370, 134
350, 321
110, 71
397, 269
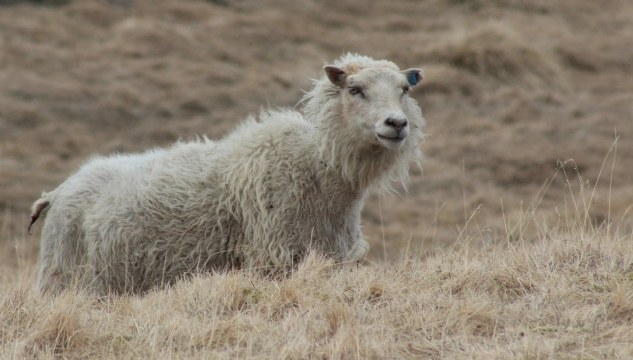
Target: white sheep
263, 196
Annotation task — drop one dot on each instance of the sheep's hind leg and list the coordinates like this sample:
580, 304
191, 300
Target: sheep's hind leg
51, 280
55, 271
58, 257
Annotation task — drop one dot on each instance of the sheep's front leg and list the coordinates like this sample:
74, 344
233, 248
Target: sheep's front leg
357, 247
357, 252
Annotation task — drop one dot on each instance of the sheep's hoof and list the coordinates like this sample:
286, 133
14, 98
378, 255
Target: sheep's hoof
357, 252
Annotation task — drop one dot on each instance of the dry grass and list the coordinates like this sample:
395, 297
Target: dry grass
565, 295
501, 249
566, 292
495, 51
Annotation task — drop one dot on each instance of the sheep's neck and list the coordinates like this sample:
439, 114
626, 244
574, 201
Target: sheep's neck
353, 169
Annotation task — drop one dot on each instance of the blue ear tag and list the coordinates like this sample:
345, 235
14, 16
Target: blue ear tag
412, 78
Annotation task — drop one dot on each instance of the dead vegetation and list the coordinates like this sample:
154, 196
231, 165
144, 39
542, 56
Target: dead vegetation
568, 294
508, 246
494, 51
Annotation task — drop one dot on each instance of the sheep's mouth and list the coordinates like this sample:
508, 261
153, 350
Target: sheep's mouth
391, 142
391, 138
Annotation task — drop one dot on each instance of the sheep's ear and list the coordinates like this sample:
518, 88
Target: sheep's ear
414, 76
336, 75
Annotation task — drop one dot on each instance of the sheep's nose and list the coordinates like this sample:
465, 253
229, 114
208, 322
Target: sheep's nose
397, 124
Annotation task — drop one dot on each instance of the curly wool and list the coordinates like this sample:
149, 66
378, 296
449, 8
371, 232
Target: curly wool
262, 197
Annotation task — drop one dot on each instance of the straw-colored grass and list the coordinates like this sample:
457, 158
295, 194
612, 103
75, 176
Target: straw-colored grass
462, 266
564, 294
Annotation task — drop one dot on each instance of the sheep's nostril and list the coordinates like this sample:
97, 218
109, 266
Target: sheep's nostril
398, 124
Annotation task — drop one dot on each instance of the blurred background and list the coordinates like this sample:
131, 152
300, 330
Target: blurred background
523, 100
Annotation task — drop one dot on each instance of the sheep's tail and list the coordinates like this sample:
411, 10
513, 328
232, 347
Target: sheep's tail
37, 209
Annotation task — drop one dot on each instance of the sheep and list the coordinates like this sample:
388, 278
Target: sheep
272, 190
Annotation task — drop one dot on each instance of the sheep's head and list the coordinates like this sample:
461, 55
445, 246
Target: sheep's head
375, 102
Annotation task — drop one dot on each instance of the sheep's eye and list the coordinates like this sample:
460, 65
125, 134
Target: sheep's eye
355, 90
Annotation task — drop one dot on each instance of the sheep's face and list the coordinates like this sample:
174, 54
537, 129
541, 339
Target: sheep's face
376, 104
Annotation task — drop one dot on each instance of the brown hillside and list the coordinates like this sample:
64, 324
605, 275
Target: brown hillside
511, 90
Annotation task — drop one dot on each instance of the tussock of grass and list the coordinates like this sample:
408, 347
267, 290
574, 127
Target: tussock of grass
567, 294
495, 51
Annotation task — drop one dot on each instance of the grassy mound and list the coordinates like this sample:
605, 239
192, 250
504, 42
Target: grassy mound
494, 50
